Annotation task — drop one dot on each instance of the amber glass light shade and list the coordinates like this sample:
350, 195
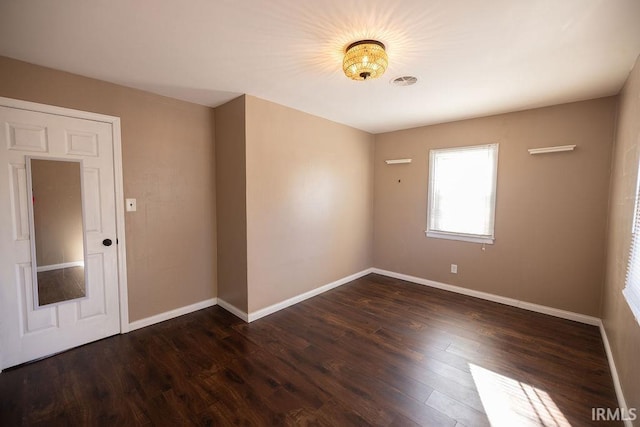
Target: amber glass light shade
364, 60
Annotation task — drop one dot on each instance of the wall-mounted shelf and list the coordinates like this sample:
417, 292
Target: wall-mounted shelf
555, 149
397, 161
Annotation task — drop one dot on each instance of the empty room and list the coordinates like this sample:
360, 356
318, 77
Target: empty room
328, 213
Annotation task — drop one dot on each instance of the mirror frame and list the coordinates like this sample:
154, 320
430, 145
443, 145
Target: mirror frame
32, 231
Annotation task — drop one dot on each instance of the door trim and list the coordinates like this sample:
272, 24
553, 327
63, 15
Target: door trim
119, 187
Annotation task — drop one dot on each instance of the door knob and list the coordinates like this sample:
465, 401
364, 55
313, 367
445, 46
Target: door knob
107, 242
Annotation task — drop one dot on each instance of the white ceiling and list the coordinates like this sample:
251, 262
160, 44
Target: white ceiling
472, 58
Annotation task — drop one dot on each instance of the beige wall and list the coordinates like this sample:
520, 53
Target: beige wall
550, 212
57, 212
168, 158
622, 329
231, 208
309, 202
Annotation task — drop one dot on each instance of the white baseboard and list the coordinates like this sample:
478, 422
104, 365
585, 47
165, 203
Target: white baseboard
42, 268
233, 310
582, 318
255, 315
622, 403
148, 321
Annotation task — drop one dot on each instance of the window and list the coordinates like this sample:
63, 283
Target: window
631, 290
462, 193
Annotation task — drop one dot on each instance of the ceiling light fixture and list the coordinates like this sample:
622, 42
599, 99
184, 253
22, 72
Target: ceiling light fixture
365, 59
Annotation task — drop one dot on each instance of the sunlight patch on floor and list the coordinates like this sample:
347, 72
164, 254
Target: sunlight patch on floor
508, 402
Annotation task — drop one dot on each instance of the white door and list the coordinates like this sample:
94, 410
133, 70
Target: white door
27, 331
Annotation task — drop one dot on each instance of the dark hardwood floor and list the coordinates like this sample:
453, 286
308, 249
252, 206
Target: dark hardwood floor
62, 284
376, 351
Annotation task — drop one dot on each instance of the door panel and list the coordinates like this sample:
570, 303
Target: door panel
29, 332
18, 199
32, 320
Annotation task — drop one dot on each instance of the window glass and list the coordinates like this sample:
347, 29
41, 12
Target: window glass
632, 287
462, 193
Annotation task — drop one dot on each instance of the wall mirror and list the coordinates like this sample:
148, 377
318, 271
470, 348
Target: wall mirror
56, 217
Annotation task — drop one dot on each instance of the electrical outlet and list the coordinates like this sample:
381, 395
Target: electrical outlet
130, 205
454, 268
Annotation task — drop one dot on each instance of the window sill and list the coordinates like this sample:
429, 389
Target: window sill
460, 237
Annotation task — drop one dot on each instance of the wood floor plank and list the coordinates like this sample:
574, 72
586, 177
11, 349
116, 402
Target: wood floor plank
376, 351
457, 410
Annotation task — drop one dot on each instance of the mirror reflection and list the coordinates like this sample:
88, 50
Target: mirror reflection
57, 233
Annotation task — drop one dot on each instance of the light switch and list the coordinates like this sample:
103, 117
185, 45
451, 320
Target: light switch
130, 204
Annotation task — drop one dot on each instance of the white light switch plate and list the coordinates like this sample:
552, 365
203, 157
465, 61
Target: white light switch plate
130, 205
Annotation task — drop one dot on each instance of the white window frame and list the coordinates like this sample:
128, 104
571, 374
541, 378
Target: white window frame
631, 290
473, 238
